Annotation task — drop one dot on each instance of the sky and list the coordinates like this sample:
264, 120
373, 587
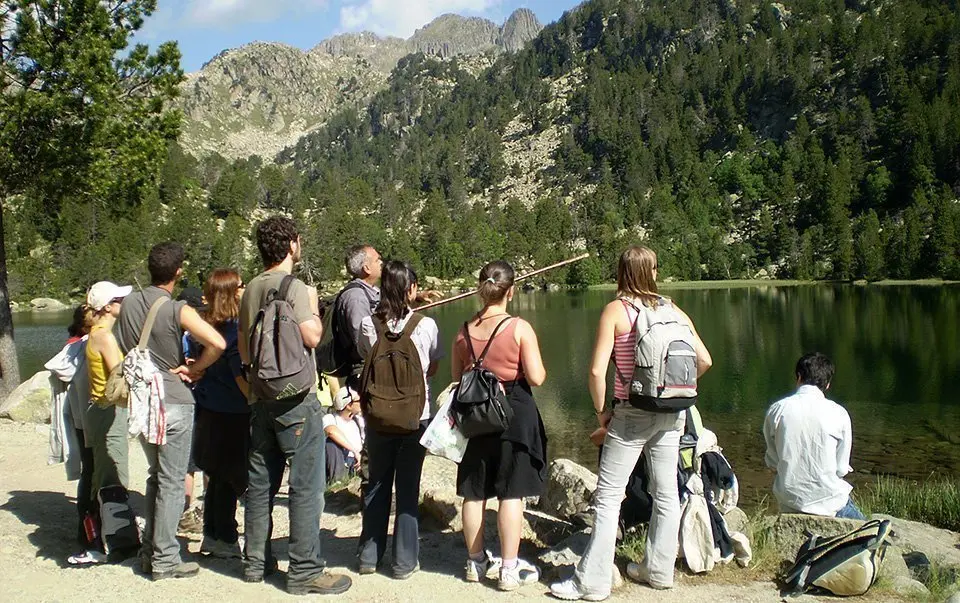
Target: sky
205, 27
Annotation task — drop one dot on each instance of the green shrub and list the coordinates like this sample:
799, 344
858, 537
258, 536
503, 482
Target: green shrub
935, 501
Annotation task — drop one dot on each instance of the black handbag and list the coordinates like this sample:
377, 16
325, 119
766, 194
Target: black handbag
480, 405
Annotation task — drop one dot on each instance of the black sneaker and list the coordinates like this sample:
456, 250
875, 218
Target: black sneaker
268, 571
399, 574
187, 569
324, 583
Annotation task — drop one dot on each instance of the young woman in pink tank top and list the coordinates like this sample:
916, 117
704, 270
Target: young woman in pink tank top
509, 466
629, 432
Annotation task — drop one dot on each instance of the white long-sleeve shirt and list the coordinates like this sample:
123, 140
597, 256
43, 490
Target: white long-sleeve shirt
808, 445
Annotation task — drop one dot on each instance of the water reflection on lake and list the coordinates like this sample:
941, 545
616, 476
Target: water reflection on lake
897, 351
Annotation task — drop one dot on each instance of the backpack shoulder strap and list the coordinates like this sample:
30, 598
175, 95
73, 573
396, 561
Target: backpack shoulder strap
148, 324
285, 285
411, 325
493, 335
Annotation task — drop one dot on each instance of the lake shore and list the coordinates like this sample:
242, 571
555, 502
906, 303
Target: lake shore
38, 523
746, 283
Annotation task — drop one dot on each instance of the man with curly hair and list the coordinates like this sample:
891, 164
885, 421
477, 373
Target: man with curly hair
289, 429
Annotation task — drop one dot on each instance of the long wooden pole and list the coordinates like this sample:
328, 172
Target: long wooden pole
517, 280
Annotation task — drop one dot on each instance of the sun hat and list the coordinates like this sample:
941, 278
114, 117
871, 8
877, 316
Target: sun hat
104, 292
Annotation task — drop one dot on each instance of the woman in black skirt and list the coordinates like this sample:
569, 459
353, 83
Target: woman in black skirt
221, 437
509, 466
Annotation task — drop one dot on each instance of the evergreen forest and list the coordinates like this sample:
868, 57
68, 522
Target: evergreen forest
812, 139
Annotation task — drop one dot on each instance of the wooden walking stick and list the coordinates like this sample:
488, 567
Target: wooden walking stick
517, 280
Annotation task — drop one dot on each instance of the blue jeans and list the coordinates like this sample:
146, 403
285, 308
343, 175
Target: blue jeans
395, 464
286, 430
850, 511
167, 467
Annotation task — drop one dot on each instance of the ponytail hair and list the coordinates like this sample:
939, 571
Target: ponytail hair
83, 318
496, 278
395, 283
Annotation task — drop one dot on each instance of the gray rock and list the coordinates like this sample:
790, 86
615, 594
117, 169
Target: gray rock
560, 561
909, 587
942, 547
30, 402
736, 520
954, 598
894, 567
47, 304
569, 490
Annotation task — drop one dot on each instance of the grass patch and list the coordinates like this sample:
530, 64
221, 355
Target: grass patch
634, 544
935, 501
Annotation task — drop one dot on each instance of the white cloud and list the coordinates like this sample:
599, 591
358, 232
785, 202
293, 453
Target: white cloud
222, 13
402, 17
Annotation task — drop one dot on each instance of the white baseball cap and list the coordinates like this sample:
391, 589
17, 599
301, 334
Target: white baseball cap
343, 398
104, 292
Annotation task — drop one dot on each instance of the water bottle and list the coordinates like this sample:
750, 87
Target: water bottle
90, 528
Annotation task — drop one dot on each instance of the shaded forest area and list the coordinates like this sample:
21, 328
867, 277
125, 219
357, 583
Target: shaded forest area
813, 139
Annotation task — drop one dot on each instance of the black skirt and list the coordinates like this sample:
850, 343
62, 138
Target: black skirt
512, 464
221, 445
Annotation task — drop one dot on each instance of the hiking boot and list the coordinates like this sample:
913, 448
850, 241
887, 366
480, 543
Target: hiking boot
404, 574
522, 574
366, 570
191, 522
220, 549
638, 572
569, 590
324, 583
488, 568
187, 569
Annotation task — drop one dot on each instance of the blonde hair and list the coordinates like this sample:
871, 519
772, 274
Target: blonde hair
635, 275
496, 278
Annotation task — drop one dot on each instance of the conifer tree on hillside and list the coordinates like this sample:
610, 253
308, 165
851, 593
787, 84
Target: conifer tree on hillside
84, 119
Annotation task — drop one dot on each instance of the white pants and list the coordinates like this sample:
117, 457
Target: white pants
630, 432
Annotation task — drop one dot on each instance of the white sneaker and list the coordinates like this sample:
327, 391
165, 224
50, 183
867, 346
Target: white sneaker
638, 572
569, 590
489, 568
522, 574
90, 557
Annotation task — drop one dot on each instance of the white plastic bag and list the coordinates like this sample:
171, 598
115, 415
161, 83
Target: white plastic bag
442, 437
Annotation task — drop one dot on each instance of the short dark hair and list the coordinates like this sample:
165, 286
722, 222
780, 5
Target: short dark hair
274, 236
164, 261
815, 369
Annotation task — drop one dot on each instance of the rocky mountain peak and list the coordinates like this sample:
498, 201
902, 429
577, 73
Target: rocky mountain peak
521, 27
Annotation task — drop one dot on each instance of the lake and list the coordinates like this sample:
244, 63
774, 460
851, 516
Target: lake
897, 351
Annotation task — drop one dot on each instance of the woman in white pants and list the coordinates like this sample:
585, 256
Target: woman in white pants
631, 430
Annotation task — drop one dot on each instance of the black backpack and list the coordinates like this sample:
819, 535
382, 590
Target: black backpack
336, 354
280, 365
393, 393
480, 405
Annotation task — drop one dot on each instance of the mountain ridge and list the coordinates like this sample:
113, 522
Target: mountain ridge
261, 97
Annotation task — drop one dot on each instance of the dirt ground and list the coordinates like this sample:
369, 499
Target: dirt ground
38, 527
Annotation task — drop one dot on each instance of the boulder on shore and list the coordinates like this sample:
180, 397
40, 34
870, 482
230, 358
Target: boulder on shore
30, 402
942, 547
561, 561
569, 490
47, 304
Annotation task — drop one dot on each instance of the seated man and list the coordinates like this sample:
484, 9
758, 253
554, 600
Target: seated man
808, 445
345, 433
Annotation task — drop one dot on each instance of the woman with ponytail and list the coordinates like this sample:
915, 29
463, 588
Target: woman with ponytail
509, 466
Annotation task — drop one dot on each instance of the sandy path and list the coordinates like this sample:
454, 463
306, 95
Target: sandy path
37, 531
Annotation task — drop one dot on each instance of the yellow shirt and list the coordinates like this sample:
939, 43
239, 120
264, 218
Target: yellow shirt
97, 371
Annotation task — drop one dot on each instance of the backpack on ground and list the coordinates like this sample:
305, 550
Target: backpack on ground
665, 359
118, 527
480, 405
335, 354
280, 364
844, 565
392, 390
136, 366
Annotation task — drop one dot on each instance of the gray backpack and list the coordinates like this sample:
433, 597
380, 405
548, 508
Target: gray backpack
665, 359
280, 365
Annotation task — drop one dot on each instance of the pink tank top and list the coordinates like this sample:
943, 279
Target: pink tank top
503, 357
623, 356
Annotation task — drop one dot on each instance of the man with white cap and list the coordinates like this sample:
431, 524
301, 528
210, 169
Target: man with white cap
345, 434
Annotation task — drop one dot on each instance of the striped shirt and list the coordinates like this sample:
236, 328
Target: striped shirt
624, 357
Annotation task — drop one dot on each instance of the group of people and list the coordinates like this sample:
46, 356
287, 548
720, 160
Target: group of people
244, 444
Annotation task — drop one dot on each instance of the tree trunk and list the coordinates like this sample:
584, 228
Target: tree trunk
9, 367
